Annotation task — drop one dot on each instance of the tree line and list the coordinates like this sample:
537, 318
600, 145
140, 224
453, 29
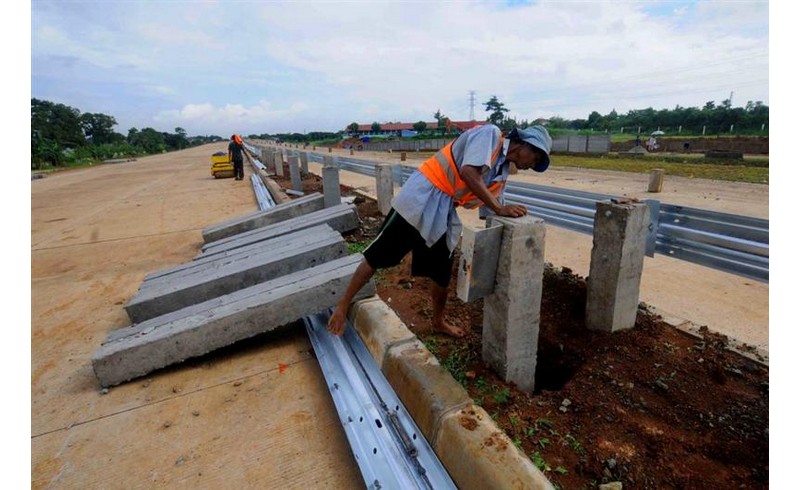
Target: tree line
711, 119
62, 135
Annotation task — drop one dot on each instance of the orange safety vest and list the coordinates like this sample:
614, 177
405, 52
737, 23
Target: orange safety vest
442, 171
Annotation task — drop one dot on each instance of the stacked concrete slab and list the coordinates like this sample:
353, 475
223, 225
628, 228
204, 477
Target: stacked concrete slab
265, 270
292, 209
202, 328
342, 218
226, 273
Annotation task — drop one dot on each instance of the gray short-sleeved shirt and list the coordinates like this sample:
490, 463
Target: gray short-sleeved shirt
431, 211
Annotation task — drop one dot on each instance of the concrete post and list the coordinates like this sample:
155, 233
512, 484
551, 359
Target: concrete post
330, 181
384, 187
403, 157
294, 172
511, 312
304, 163
330, 149
656, 180
351, 151
620, 236
264, 155
281, 157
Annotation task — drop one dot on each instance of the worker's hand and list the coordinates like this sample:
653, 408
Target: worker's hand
336, 323
513, 211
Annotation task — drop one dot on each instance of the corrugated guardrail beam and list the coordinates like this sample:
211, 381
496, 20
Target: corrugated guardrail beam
727, 242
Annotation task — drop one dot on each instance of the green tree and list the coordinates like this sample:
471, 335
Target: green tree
376, 127
420, 126
496, 109
181, 138
353, 127
99, 128
56, 122
54, 127
441, 121
150, 141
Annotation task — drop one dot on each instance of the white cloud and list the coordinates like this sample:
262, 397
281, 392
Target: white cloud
220, 118
344, 61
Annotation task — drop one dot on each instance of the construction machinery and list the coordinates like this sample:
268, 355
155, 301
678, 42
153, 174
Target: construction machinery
221, 167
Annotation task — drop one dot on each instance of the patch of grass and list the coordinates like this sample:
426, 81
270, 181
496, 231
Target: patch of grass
480, 386
433, 345
572, 442
693, 166
457, 362
501, 396
356, 247
539, 461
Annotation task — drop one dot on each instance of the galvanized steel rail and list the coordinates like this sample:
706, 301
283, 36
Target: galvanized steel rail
389, 448
726, 242
264, 198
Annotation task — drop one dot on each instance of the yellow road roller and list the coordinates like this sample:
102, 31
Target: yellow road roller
221, 167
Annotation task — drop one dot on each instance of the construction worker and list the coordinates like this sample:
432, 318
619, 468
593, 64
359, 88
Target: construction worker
470, 171
236, 154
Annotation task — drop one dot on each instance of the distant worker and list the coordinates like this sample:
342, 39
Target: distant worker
470, 171
236, 154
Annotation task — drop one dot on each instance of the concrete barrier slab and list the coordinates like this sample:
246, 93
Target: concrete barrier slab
379, 327
300, 238
342, 218
425, 387
292, 209
202, 328
231, 274
477, 268
478, 455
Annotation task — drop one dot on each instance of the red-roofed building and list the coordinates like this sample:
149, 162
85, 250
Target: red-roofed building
395, 129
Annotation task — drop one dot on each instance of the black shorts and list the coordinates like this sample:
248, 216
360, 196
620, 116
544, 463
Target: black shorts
397, 237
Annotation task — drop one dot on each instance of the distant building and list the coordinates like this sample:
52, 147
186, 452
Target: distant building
397, 129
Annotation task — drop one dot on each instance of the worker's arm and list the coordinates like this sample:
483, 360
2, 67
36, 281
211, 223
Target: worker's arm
472, 177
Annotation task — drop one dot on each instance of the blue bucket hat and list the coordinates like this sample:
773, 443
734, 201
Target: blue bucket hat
538, 137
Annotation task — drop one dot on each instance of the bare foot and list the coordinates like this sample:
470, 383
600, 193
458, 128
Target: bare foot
448, 329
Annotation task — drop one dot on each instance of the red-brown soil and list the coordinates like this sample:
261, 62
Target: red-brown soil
651, 407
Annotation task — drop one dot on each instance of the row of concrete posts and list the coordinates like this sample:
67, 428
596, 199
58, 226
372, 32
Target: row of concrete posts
504, 265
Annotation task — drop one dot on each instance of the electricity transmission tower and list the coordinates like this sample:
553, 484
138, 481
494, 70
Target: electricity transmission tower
471, 105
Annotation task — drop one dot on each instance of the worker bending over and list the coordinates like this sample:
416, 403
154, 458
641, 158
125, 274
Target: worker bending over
470, 171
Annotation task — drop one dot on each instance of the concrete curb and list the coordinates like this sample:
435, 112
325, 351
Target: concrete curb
473, 449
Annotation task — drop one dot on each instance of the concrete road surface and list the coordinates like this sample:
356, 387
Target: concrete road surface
257, 415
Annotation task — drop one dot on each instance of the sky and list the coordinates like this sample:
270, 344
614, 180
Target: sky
273, 67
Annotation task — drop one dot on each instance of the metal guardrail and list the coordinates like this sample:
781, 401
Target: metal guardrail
264, 198
389, 448
727, 242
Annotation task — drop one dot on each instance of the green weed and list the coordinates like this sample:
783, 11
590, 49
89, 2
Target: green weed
501, 397
539, 461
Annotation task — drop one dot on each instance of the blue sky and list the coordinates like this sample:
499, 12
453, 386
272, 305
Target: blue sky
255, 67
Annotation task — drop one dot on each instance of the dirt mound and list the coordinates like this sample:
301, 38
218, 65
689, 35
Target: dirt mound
651, 407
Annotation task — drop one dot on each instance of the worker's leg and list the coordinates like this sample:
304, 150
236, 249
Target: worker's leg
387, 250
239, 167
436, 263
